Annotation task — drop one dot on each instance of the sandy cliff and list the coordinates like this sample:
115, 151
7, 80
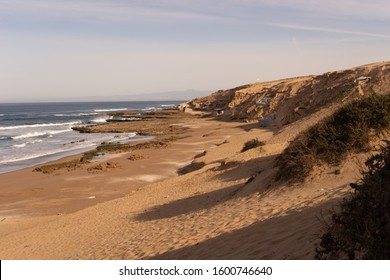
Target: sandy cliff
285, 101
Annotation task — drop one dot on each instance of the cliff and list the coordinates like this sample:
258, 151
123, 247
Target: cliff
285, 101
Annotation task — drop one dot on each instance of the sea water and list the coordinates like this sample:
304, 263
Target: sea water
35, 133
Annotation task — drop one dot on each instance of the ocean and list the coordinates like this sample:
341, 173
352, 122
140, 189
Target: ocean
35, 133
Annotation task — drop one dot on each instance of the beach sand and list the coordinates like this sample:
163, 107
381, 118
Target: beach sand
226, 205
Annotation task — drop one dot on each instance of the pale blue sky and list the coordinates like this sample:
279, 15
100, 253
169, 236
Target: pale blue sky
58, 48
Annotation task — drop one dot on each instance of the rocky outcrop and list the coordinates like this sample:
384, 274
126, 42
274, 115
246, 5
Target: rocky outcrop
285, 101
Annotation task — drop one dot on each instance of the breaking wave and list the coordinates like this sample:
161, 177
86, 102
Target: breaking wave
41, 133
38, 125
110, 110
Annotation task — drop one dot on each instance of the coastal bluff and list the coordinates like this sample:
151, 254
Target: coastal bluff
285, 101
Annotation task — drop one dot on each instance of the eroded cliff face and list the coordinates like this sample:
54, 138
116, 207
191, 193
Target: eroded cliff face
285, 101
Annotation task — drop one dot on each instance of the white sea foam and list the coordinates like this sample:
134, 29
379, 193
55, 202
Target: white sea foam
129, 119
40, 133
102, 119
99, 120
12, 160
29, 135
29, 156
110, 110
168, 105
20, 145
149, 109
131, 135
53, 132
38, 125
87, 114
76, 115
56, 153
66, 115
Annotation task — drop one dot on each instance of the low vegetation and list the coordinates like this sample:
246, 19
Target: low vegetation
135, 157
50, 168
102, 149
348, 130
251, 144
103, 167
119, 148
361, 230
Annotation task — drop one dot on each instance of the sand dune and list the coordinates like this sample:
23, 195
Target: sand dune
226, 205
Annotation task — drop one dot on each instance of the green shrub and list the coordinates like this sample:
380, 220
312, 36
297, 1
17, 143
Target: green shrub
251, 144
118, 148
361, 230
103, 147
330, 141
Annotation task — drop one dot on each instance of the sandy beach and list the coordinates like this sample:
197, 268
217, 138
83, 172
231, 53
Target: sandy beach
31, 193
194, 130
192, 192
159, 205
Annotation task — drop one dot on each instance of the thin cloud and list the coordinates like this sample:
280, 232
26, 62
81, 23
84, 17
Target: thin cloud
328, 30
106, 10
373, 9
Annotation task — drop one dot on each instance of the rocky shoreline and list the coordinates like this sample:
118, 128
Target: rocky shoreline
155, 123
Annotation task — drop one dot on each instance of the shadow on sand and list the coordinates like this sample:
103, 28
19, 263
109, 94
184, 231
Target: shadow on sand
213, 198
293, 236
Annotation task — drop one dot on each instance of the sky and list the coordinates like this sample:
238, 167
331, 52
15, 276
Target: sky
98, 48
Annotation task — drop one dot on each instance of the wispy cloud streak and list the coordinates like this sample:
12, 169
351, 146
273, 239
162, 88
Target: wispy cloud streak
126, 11
367, 9
329, 30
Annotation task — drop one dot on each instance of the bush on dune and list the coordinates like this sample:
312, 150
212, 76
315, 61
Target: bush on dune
361, 230
330, 141
252, 144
